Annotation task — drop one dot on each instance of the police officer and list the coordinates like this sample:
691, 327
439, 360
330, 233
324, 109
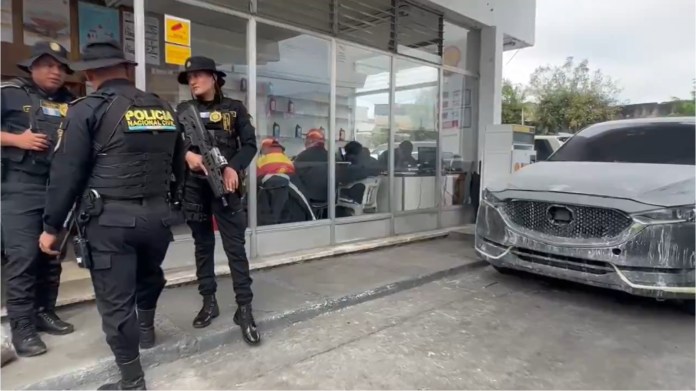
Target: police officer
119, 151
32, 110
229, 121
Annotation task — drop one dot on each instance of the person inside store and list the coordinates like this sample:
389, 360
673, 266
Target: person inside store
280, 196
33, 109
230, 123
403, 159
349, 176
312, 168
272, 159
117, 157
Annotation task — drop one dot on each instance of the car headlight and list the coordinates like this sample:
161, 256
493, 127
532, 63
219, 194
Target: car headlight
491, 199
679, 214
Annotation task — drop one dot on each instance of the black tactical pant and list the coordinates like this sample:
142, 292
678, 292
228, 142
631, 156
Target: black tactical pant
128, 243
199, 206
32, 277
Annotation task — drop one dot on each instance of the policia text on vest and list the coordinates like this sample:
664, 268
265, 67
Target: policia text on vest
152, 119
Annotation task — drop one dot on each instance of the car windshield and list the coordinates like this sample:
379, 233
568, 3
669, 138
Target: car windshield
656, 143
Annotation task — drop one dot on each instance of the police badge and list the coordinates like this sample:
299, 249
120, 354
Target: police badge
215, 116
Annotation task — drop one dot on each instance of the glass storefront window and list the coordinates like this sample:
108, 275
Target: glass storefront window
362, 120
292, 118
459, 139
219, 36
415, 138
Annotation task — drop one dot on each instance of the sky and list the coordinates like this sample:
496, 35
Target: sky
647, 46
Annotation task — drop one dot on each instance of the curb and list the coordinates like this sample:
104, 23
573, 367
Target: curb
182, 277
189, 345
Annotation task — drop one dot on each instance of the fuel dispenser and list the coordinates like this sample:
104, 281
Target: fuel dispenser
523, 152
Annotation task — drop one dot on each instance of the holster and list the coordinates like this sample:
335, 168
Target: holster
91, 204
83, 252
194, 212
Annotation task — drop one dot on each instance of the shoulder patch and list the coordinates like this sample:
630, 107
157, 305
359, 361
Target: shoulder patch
16, 83
74, 101
80, 99
11, 84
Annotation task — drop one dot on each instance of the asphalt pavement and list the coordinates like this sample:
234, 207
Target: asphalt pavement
475, 330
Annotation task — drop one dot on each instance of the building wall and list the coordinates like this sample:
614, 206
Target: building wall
516, 18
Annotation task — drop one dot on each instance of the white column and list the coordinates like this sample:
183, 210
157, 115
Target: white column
139, 24
332, 142
251, 106
490, 82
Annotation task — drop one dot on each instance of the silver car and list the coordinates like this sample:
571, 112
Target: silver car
613, 207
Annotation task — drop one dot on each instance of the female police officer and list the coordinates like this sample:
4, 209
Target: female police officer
228, 120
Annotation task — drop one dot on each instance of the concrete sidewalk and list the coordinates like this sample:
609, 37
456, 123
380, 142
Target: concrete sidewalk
284, 295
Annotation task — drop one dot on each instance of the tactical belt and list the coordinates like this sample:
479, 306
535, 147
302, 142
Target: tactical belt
149, 201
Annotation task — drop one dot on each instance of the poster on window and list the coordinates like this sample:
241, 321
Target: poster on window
152, 38
97, 23
47, 20
6, 33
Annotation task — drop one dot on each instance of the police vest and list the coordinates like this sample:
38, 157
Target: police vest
220, 122
134, 145
45, 117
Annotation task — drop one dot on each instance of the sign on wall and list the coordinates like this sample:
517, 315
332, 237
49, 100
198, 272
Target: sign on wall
152, 38
97, 23
176, 54
178, 30
177, 36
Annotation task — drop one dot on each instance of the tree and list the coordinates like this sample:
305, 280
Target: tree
514, 97
686, 107
571, 97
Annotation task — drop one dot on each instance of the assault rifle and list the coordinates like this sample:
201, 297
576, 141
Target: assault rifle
213, 161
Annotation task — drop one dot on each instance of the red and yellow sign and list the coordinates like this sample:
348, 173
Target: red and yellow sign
176, 54
177, 30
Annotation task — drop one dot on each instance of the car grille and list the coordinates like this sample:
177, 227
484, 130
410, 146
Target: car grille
564, 262
587, 222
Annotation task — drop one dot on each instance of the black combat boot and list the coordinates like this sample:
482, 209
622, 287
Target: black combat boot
146, 324
245, 320
208, 312
132, 377
48, 322
25, 339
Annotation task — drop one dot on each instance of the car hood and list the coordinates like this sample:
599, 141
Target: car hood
654, 184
